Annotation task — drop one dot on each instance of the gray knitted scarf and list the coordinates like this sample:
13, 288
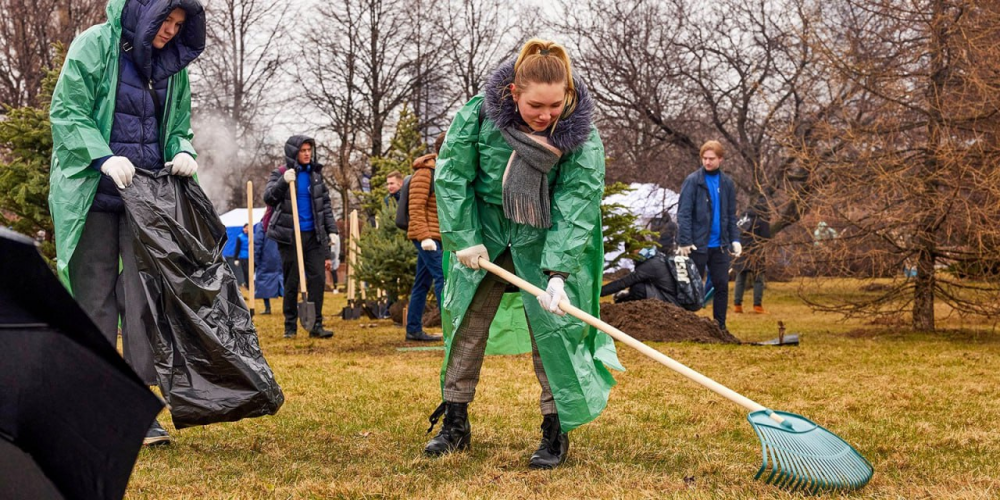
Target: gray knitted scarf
525, 182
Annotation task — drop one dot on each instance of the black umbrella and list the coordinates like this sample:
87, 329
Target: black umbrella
72, 413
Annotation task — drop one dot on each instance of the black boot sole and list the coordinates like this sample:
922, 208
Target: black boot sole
463, 444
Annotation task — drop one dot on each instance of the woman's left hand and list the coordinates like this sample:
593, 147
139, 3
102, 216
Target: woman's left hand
183, 165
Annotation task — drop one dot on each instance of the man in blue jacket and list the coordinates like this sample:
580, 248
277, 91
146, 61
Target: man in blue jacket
706, 220
316, 224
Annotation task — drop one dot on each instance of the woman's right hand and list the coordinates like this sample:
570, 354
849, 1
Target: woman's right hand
469, 257
120, 170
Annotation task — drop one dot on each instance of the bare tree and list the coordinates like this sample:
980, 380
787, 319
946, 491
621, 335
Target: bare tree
479, 34
669, 75
913, 180
236, 92
332, 88
27, 32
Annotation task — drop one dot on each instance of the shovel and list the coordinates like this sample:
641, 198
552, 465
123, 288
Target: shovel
307, 310
797, 453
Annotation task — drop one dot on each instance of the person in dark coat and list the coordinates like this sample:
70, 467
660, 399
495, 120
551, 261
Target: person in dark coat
706, 224
315, 222
122, 102
267, 268
756, 231
651, 279
667, 228
243, 255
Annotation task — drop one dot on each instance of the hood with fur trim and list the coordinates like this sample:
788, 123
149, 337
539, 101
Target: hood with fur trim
570, 133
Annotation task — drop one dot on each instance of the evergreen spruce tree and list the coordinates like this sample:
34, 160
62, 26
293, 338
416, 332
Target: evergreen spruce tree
405, 147
620, 226
25, 152
388, 260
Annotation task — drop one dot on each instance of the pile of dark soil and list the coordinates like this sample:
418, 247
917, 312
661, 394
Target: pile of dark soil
658, 321
432, 317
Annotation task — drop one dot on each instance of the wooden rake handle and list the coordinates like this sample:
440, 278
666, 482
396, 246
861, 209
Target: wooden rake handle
626, 339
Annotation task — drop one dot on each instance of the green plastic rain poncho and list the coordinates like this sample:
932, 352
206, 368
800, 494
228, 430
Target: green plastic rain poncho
469, 196
82, 113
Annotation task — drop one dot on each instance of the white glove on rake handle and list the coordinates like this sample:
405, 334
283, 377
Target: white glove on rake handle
554, 294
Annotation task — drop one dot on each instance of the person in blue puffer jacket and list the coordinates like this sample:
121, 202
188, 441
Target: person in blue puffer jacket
122, 102
706, 224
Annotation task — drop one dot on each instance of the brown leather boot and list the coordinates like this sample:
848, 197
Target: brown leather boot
738, 309
759, 310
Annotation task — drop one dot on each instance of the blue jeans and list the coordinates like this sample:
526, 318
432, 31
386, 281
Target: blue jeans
428, 270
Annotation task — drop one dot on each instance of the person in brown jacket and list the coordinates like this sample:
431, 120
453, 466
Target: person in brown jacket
426, 236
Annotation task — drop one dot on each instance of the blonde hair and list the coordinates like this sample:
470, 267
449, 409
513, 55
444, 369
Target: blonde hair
545, 61
715, 147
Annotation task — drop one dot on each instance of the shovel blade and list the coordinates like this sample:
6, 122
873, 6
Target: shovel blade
307, 315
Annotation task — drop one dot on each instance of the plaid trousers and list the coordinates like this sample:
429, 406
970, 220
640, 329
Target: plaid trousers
468, 346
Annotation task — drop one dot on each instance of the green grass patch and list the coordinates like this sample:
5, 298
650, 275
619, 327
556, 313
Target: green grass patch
923, 408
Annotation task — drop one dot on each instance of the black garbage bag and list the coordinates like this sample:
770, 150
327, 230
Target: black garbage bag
690, 289
205, 348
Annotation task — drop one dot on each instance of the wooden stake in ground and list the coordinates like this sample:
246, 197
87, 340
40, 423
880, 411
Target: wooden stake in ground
250, 276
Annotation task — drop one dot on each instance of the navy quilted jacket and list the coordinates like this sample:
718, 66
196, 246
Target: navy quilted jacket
142, 88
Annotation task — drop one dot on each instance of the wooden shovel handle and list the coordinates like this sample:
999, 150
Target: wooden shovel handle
626, 339
250, 235
298, 239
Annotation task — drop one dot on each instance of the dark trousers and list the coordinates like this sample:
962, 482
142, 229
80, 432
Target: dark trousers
717, 262
428, 273
234, 266
244, 271
107, 295
741, 284
314, 255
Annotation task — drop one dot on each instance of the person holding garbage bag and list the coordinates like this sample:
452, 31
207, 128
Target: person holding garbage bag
122, 102
519, 182
316, 224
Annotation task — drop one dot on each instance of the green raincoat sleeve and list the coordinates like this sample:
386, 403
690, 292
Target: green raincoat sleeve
81, 115
455, 173
178, 126
576, 208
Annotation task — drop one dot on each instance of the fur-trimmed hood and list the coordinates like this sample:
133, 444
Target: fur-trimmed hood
570, 133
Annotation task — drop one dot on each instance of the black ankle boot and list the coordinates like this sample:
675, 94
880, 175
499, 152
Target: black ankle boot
455, 433
554, 447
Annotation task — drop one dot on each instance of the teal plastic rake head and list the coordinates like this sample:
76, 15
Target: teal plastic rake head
800, 455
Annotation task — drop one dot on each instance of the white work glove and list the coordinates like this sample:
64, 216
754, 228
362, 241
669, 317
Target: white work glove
428, 245
737, 249
120, 170
686, 250
183, 165
554, 293
289, 175
469, 257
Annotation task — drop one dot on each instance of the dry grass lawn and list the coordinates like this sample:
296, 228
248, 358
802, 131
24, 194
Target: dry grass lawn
924, 409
